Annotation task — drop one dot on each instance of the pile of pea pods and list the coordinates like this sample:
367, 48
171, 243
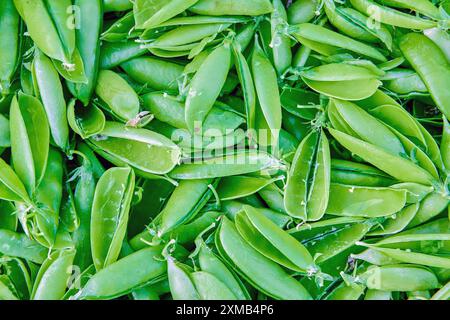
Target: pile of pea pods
224, 150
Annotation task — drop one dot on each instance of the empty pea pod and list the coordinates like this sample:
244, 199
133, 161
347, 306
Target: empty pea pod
233, 248
85, 121
153, 153
307, 188
108, 223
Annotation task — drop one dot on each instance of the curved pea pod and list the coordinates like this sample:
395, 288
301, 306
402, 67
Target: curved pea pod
302, 11
368, 128
338, 240
273, 242
180, 281
53, 276
9, 44
206, 85
307, 189
140, 268
265, 79
430, 207
247, 85
11, 187
269, 277
424, 7
118, 95
47, 28
441, 39
342, 81
73, 72
169, 109
144, 150
85, 121
49, 88
110, 209
148, 13
273, 197
391, 16
400, 278
112, 54
232, 7
88, 44
435, 71
44, 221
179, 209
19, 245
365, 201
210, 287
379, 98
237, 187
30, 138
396, 166
299, 102
121, 29
398, 222
404, 82
156, 73
239, 163
328, 37
232, 208
212, 264
358, 174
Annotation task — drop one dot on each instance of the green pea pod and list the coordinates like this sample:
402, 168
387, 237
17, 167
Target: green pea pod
346, 292
85, 121
341, 80
211, 288
180, 281
269, 277
232, 7
374, 257
232, 208
8, 218
424, 7
97, 166
205, 86
247, 84
391, 16
273, 242
177, 211
117, 5
52, 279
330, 38
7, 290
239, 163
49, 88
88, 44
148, 13
237, 187
434, 72
404, 82
73, 72
445, 145
109, 221
19, 245
118, 95
358, 174
400, 278
301, 11
398, 222
281, 43
443, 293
429, 208
19, 275
335, 242
44, 220
120, 30
299, 102
265, 79
142, 149
364, 201
151, 270
5, 137
9, 44
113, 54
399, 168
441, 39
273, 197
211, 263
307, 188
218, 122
11, 187
157, 74
43, 29
30, 136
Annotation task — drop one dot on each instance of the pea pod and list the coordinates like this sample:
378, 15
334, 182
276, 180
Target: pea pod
180, 281
108, 223
211, 288
235, 250
232, 7
113, 54
237, 187
11, 187
205, 86
358, 174
19, 245
424, 7
49, 88
85, 121
30, 136
9, 44
154, 154
53, 276
281, 44
307, 188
